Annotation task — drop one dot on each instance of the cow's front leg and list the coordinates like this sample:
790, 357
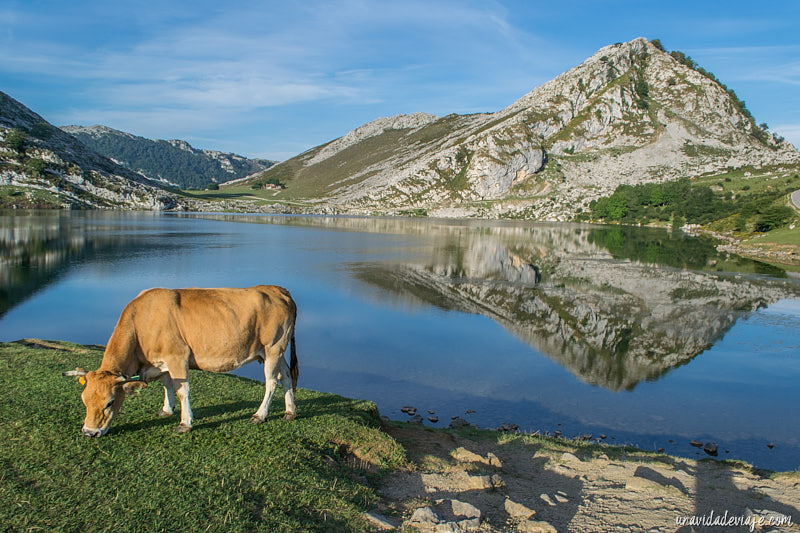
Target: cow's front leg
182, 390
169, 396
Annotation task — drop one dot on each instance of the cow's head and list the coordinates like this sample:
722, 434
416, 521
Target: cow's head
103, 393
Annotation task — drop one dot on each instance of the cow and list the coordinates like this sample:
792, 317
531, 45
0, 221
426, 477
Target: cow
162, 333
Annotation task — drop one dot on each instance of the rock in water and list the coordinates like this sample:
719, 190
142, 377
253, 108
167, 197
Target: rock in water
711, 448
459, 422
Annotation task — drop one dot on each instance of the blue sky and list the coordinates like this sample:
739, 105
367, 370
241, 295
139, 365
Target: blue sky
272, 79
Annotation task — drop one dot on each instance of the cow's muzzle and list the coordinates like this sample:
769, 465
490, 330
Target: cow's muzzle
92, 432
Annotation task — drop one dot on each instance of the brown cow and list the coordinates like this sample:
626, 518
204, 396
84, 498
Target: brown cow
162, 333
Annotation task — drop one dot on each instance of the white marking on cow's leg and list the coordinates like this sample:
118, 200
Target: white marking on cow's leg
271, 381
169, 396
186, 409
288, 388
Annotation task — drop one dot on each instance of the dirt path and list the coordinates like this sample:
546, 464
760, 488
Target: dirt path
520, 483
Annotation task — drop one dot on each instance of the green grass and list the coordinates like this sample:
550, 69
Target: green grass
780, 236
226, 475
16, 197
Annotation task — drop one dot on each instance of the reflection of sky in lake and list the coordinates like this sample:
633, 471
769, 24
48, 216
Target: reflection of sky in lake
366, 341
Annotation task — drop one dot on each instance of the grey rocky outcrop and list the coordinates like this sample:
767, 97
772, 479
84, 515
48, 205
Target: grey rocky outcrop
74, 173
630, 113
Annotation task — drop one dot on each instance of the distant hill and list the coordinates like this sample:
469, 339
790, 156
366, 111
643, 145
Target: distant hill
175, 162
631, 113
44, 167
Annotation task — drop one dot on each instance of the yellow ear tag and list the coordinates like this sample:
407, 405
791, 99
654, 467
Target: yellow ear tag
82, 380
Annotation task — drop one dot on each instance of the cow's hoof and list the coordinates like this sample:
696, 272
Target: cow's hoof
290, 416
255, 419
163, 413
183, 428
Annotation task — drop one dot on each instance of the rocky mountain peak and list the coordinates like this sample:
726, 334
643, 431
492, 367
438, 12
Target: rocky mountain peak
630, 113
372, 129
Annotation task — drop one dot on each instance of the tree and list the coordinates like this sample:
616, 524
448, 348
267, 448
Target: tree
212, 186
773, 217
16, 140
617, 207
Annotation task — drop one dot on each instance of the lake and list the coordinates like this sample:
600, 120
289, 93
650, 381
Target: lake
639, 335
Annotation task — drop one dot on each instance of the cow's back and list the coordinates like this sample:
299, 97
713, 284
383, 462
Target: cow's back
212, 329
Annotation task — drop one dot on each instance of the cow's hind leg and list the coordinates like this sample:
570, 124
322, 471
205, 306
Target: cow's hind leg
271, 367
186, 409
169, 396
288, 388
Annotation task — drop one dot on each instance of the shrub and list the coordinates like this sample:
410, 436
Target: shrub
773, 217
16, 140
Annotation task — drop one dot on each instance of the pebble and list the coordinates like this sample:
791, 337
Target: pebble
517, 510
381, 523
547, 500
449, 515
536, 526
494, 460
485, 482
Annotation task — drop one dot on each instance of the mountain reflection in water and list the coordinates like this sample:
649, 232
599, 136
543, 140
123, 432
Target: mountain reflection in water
614, 305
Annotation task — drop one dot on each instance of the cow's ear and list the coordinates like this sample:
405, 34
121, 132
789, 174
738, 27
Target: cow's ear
133, 386
78, 373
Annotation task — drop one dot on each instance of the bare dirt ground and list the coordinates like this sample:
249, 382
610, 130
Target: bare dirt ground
519, 483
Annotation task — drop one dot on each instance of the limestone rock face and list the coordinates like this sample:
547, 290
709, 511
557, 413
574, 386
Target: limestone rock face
54, 161
631, 113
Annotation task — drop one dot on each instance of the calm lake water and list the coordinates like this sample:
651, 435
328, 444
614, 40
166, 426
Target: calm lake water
643, 336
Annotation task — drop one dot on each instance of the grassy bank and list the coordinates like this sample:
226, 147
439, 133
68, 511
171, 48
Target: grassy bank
321, 471
226, 475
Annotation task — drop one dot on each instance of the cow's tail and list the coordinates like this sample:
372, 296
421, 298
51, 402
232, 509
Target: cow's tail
293, 366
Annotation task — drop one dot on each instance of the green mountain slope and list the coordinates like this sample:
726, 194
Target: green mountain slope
631, 113
174, 161
42, 166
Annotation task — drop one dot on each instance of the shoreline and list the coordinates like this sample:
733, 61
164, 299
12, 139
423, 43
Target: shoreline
526, 483
375, 474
